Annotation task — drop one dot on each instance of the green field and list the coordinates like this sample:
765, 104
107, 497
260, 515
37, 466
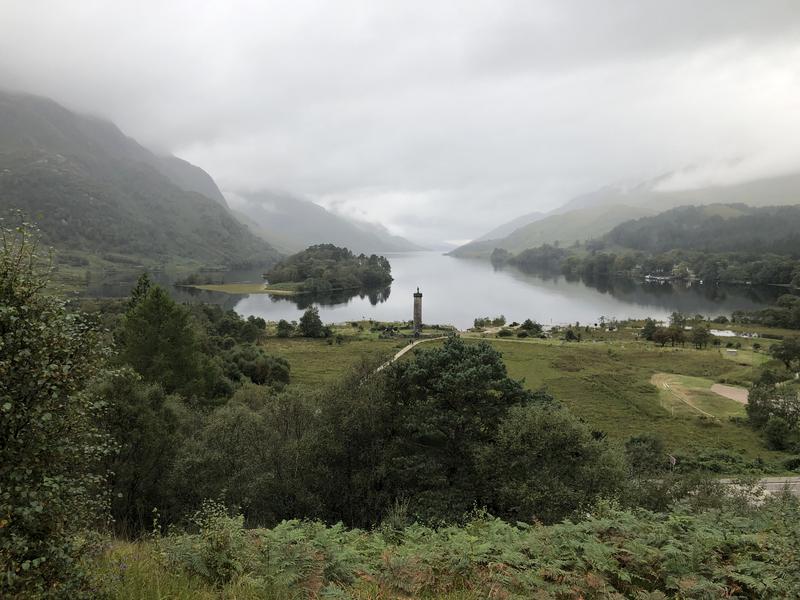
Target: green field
608, 385
315, 362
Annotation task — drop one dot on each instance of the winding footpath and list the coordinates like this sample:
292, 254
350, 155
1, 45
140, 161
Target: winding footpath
406, 349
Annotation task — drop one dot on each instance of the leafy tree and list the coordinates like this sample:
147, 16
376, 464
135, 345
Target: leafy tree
144, 426
676, 335
787, 351
532, 327
645, 454
661, 336
253, 329
446, 406
284, 329
765, 400
648, 329
779, 434
258, 452
50, 445
544, 464
258, 366
354, 446
158, 340
700, 336
310, 324
678, 320
139, 291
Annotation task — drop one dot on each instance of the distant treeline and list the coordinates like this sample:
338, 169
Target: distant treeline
721, 228
729, 243
326, 267
678, 264
785, 313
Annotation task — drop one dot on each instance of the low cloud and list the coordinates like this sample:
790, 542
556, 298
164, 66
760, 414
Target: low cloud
438, 120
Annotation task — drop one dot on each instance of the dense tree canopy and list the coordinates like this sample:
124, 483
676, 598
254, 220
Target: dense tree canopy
158, 339
326, 267
714, 229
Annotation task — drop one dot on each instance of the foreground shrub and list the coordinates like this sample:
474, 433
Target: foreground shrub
50, 445
217, 552
612, 553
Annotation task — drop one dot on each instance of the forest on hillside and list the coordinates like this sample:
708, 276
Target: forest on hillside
717, 243
717, 228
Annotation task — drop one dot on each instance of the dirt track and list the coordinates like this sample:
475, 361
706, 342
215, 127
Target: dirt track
729, 391
664, 381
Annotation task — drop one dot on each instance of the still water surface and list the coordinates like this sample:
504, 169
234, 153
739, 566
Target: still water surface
456, 290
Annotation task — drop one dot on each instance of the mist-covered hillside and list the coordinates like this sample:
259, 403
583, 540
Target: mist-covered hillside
573, 226
656, 195
94, 190
596, 213
291, 223
509, 227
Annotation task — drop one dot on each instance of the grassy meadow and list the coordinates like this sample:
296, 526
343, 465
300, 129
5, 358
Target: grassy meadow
607, 380
609, 385
316, 362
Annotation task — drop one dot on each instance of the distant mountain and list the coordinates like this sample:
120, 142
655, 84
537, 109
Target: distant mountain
96, 191
714, 228
292, 224
506, 229
614, 204
652, 194
565, 229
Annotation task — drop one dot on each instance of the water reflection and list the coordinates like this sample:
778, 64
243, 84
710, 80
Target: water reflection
458, 290
303, 301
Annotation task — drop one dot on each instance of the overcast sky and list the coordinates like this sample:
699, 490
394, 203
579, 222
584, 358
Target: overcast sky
438, 119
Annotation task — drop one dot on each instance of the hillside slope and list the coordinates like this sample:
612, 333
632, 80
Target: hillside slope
508, 228
291, 224
93, 190
714, 228
767, 191
567, 228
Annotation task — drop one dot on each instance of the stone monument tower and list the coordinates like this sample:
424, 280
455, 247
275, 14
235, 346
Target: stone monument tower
417, 312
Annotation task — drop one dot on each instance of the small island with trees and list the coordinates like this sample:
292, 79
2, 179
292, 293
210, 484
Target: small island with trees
325, 268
